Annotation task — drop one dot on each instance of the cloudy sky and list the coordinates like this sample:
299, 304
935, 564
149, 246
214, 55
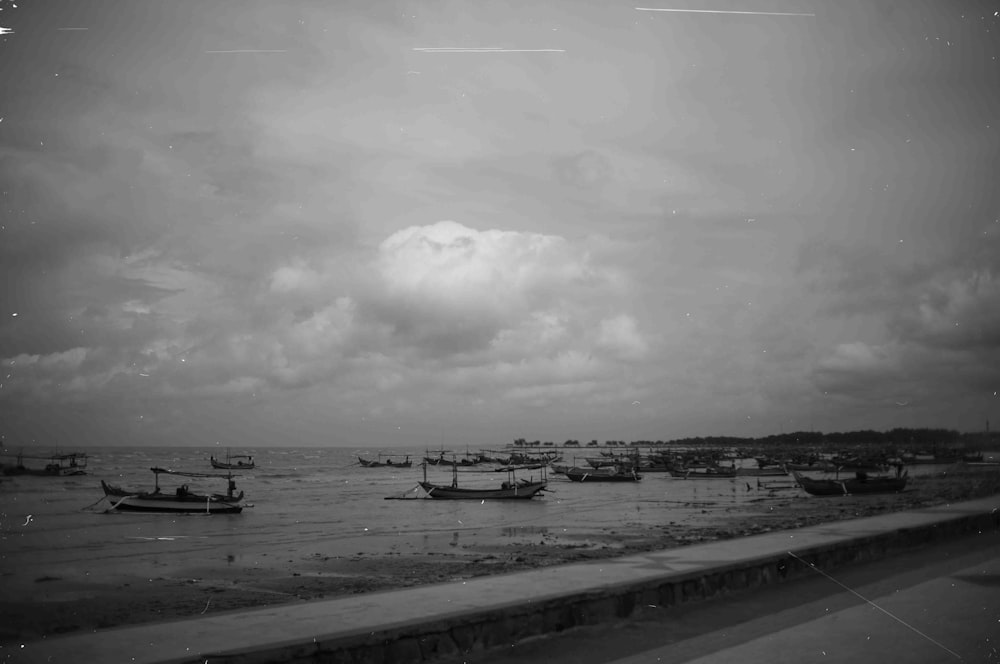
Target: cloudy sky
288, 222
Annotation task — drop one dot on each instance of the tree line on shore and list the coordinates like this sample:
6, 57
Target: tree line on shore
922, 438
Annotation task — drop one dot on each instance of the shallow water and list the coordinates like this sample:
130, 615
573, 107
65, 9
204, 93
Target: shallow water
312, 503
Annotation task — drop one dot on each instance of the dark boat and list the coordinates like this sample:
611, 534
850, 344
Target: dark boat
181, 501
59, 465
371, 463
603, 474
768, 471
861, 483
509, 490
709, 473
229, 464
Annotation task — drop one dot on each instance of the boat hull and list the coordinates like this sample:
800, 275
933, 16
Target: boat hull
165, 503
368, 463
851, 486
232, 466
523, 491
703, 475
169, 505
761, 472
597, 475
48, 471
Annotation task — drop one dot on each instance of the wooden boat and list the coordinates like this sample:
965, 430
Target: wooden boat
602, 462
603, 474
817, 465
768, 471
441, 460
181, 501
59, 465
511, 489
859, 484
710, 473
229, 464
372, 463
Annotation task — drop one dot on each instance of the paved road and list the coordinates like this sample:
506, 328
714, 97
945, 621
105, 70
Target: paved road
938, 604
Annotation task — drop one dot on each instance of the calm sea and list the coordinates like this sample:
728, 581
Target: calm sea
316, 502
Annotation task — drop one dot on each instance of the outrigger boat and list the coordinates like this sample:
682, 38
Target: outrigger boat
60, 465
181, 501
229, 464
617, 473
371, 463
860, 483
510, 489
708, 473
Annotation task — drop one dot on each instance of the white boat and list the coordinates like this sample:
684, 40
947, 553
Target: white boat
180, 501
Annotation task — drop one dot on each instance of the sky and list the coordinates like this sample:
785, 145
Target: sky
447, 223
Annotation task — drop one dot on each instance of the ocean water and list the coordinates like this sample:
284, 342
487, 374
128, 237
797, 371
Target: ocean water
310, 503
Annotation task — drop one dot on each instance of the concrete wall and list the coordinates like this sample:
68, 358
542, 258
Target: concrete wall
450, 638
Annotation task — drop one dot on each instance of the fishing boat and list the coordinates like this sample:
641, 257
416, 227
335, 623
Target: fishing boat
765, 471
509, 490
617, 473
602, 462
708, 473
861, 483
60, 465
230, 464
373, 463
181, 501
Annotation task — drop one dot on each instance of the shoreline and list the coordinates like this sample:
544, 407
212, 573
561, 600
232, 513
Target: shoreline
61, 601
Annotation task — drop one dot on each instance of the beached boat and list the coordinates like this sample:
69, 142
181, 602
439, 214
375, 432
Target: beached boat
817, 465
230, 464
861, 483
709, 473
59, 465
603, 474
373, 463
181, 501
510, 489
768, 471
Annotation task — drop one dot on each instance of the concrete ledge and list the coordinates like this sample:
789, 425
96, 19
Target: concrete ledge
500, 628
426, 623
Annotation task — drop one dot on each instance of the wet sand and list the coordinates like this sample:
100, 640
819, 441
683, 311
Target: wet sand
67, 600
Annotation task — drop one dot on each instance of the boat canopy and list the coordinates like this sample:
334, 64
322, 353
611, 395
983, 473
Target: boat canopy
185, 473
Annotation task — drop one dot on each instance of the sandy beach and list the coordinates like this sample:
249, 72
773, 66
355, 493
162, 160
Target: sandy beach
176, 587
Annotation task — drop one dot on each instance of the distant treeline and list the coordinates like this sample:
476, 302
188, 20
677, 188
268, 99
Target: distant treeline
922, 438
905, 438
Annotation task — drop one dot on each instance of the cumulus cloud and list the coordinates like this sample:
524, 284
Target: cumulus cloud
960, 313
621, 337
444, 308
944, 331
293, 278
68, 373
451, 263
457, 289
